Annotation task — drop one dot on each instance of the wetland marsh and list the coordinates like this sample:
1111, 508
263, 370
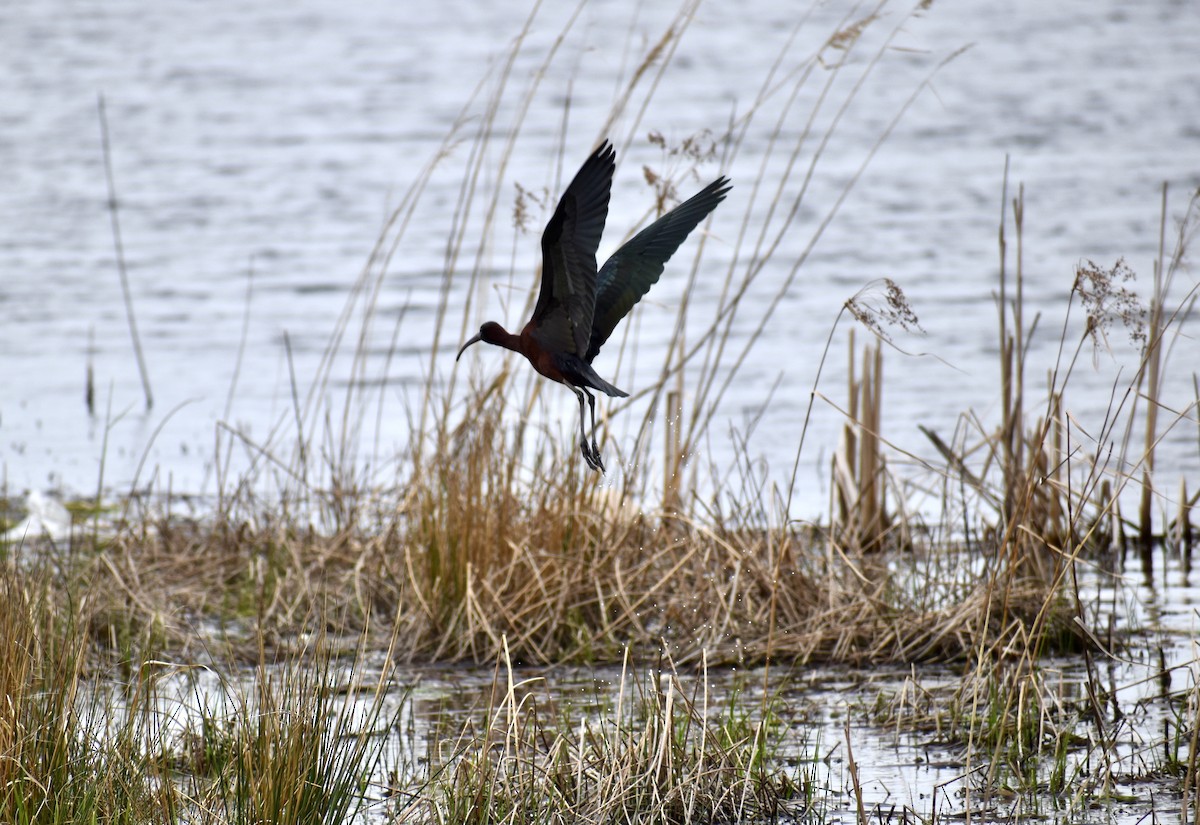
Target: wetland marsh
898, 519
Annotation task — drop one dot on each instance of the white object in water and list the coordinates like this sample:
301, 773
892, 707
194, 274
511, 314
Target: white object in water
46, 518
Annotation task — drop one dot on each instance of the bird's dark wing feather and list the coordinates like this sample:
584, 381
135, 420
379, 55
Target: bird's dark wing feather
637, 265
563, 314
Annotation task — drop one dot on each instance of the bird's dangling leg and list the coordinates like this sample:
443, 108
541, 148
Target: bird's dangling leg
593, 460
595, 449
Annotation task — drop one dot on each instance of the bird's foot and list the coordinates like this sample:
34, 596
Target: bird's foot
596, 455
592, 456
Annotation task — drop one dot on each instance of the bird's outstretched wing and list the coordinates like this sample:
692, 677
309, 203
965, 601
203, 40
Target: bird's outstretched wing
637, 265
562, 318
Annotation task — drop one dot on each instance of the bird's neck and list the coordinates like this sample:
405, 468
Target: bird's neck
503, 338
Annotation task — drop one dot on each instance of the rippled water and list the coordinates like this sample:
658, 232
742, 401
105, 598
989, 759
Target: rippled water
273, 139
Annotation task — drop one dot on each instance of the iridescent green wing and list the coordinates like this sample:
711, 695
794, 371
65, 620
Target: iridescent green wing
636, 266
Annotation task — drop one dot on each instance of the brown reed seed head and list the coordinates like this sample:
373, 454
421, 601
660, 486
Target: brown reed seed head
1105, 298
881, 305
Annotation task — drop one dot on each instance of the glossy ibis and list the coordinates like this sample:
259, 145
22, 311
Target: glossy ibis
578, 307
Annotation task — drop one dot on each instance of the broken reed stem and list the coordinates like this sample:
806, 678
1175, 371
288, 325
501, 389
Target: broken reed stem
1183, 520
1013, 370
858, 468
870, 472
89, 390
673, 456
120, 252
852, 767
1153, 366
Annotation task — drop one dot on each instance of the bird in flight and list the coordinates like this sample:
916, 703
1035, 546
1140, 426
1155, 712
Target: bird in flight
578, 307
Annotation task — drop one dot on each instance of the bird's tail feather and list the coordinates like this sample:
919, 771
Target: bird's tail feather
603, 386
589, 378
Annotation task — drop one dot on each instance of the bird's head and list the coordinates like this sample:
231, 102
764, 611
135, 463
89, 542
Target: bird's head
489, 333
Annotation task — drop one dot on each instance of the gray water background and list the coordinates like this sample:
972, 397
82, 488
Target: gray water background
275, 138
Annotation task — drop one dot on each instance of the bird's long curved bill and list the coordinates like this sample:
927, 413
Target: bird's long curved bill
476, 339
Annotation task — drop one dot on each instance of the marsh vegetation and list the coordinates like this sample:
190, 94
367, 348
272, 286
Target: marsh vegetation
266, 656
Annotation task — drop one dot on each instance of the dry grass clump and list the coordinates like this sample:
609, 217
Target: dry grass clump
474, 552
481, 545
63, 757
656, 752
135, 741
300, 741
